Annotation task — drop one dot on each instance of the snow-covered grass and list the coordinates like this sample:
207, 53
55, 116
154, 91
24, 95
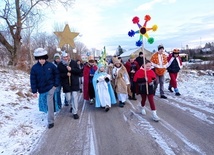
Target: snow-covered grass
21, 123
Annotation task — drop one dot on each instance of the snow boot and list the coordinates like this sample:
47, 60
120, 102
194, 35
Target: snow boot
143, 111
155, 116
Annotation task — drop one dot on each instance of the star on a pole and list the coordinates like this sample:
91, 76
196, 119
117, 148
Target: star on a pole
66, 37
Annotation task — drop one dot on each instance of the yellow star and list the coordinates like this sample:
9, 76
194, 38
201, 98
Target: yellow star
66, 37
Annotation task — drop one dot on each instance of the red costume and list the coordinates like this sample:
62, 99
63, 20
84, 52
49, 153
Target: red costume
132, 66
140, 81
87, 79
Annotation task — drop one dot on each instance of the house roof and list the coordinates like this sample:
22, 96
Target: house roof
136, 51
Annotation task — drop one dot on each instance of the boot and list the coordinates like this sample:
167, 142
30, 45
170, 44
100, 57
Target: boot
133, 96
170, 89
107, 108
121, 104
143, 111
177, 92
154, 116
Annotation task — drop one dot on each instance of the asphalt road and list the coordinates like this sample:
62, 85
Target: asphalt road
182, 130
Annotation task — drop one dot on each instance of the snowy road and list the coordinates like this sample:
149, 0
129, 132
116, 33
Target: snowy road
185, 128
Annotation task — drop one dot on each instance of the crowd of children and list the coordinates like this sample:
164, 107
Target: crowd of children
102, 84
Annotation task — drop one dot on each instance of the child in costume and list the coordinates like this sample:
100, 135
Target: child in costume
104, 93
145, 77
174, 66
122, 81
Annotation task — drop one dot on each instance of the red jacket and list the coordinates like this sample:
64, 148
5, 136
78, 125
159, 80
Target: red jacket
86, 74
131, 66
141, 74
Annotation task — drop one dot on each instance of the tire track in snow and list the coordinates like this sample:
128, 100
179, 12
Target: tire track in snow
145, 125
181, 137
160, 140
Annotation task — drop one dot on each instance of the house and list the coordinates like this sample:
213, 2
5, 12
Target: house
125, 56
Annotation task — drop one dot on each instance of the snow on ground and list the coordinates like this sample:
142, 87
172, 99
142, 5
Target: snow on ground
21, 123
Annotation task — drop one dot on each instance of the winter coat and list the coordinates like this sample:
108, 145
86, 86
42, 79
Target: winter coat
159, 65
87, 79
131, 66
81, 68
121, 80
43, 77
73, 83
140, 81
175, 64
140, 60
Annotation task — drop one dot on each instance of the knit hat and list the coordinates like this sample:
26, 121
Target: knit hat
100, 65
57, 56
160, 47
40, 53
140, 53
176, 51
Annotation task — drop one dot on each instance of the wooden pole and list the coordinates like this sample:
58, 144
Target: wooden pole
144, 65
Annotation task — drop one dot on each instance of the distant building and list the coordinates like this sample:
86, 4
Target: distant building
125, 56
205, 50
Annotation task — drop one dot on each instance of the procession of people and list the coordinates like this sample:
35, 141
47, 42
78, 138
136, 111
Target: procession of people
102, 84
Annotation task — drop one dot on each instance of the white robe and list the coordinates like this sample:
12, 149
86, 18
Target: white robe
102, 91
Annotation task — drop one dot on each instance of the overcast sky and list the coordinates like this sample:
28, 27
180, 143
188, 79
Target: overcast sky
107, 22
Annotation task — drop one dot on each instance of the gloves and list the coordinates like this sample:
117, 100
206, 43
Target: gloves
107, 79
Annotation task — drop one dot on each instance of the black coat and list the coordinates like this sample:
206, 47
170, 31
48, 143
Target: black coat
174, 67
140, 60
74, 79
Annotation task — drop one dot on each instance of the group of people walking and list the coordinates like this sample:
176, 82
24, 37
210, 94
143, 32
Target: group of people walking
102, 84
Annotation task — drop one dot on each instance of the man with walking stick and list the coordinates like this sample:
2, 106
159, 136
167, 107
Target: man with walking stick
69, 75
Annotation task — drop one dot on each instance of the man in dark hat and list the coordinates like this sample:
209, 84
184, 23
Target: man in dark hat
140, 59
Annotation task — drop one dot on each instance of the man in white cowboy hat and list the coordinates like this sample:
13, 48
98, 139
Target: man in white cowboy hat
44, 78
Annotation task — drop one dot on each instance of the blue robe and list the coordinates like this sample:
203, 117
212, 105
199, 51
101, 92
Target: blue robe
110, 89
43, 106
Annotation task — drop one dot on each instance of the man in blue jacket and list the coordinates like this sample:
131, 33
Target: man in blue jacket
44, 78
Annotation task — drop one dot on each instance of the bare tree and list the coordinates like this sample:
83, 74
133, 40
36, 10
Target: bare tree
15, 14
81, 48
